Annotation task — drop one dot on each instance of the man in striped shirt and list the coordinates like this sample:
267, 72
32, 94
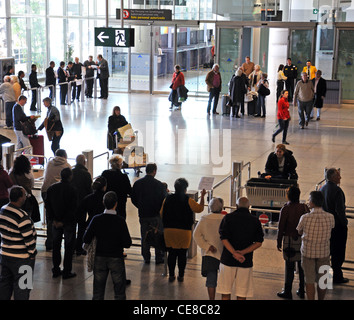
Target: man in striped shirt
18, 248
315, 229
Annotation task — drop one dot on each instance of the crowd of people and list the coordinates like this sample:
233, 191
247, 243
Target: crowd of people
93, 213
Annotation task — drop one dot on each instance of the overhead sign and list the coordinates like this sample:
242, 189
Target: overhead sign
114, 37
145, 14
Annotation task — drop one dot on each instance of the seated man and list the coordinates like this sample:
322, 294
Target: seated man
281, 164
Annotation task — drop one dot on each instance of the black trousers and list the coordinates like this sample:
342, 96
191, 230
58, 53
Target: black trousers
289, 276
338, 245
63, 93
173, 256
104, 88
290, 85
34, 100
89, 88
56, 143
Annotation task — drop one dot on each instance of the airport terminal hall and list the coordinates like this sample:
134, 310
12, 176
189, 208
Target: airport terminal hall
177, 151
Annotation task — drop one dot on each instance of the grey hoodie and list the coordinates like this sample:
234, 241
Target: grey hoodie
53, 170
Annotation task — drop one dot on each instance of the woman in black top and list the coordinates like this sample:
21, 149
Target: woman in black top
115, 121
119, 183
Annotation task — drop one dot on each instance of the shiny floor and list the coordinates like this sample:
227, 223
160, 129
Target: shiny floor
188, 143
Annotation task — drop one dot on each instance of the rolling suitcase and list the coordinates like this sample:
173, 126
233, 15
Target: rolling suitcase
37, 143
225, 104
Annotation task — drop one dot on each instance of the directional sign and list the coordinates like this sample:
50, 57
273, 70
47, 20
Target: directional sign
114, 37
145, 14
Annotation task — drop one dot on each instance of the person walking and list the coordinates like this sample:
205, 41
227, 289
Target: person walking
289, 241
177, 81
283, 116
334, 203
214, 84
61, 206
315, 230
320, 89
178, 218
112, 236
206, 236
241, 234
147, 195
303, 96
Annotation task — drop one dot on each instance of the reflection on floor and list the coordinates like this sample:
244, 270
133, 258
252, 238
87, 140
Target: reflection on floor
191, 144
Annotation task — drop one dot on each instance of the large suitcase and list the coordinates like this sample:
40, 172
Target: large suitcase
225, 105
37, 143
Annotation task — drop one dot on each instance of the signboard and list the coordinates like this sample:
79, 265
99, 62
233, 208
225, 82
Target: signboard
145, 14
263, 218
114, 37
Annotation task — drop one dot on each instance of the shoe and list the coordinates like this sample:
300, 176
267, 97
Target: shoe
257, 115
160, 261
57, 274
301, 127
128, 282
171, 278
306, 123
318, 119
180, 279
69, 275
263, 116
215, 112
237, 117
208, 113
311, 118
285, 142
147, 261
273, 139
285, 295
170, 108
341, 281
300, 293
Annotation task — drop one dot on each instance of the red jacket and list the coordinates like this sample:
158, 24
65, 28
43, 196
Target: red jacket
177, 80
283, 109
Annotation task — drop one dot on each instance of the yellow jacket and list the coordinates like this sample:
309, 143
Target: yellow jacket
313, 71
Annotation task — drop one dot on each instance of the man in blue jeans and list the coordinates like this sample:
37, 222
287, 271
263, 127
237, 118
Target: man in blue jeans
303, 96
112, 236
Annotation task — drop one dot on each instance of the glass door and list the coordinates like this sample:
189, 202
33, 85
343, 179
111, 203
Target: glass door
301, 48
229, 54
345, 63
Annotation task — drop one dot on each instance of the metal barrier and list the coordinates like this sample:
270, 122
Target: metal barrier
2, 109
39, 97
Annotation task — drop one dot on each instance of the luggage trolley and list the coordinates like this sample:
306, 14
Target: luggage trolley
268, 194
127, 145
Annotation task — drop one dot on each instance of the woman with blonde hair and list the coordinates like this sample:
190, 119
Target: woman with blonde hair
16, 86
118, 182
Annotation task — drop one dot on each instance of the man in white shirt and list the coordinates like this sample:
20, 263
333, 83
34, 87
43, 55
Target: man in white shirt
315, 229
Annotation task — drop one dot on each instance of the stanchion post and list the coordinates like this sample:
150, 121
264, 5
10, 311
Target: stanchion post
8, 150
95, 88
68, 96
236, 179
89, 160
83, 85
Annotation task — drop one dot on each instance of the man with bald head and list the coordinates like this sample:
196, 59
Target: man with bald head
241, 233
82, 182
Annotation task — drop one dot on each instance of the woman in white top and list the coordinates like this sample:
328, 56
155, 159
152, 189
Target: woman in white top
254, 77
280, 80
206, 235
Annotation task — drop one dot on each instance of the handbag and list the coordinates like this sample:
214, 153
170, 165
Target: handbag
291, 248
32, 208
155, 238
91, 253
28, 127
263, 90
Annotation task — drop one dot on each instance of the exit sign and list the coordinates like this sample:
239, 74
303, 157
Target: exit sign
315, 11
114, 37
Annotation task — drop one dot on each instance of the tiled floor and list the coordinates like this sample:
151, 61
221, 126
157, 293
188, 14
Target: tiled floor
191, 144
